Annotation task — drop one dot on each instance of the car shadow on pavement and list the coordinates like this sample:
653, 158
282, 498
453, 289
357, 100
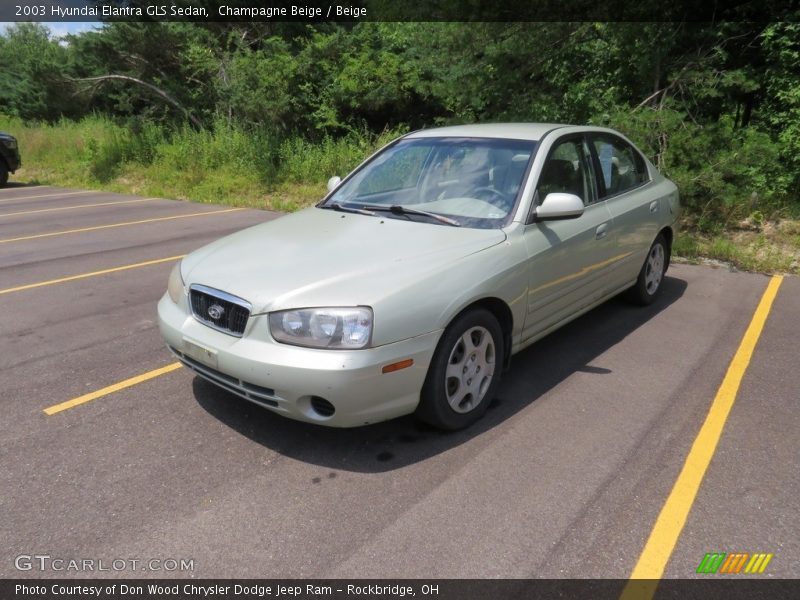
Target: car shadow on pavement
21, 184
404, 441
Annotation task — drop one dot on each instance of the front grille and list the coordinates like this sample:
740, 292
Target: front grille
219, 309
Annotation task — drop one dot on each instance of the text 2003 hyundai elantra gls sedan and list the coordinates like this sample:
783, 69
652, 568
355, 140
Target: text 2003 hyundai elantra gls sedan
409, 287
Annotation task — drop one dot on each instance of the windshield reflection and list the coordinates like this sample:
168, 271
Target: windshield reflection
474, 181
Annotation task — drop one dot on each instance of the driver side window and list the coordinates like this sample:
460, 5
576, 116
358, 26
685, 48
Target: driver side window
566, 172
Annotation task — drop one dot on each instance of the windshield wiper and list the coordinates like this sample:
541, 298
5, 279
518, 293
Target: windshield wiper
397, 209
350, 209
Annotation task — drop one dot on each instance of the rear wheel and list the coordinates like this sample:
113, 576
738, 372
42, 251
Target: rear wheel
464, 373
3, 174
651, 276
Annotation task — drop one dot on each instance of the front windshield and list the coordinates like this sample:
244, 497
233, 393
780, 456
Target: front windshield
474, 181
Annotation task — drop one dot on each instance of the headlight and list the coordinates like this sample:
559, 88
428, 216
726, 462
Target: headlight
9, 142
336, 328
175, 287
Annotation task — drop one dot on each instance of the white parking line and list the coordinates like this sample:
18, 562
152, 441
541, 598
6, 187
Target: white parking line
35, 236
24, 188
41, 210
51, 195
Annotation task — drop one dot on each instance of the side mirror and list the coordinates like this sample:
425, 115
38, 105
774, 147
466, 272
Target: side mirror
334, 182
559, 206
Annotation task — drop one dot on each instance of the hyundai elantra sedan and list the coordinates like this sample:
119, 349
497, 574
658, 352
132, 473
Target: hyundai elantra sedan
409, 287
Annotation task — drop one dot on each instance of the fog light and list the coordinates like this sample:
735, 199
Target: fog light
322, 407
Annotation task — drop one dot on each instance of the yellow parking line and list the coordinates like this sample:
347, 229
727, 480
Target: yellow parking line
146, 263
57, 408
51, 195
96, 227
670, 522
42, 210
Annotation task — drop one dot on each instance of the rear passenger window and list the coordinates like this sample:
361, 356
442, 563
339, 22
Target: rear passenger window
621, 167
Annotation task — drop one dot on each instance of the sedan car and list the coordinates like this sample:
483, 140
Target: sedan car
408, 288
9, 156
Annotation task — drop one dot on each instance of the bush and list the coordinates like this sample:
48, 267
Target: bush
301, 161
104, 157
722, 173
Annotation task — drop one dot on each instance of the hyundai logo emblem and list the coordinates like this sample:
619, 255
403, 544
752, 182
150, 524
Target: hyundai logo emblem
215, 311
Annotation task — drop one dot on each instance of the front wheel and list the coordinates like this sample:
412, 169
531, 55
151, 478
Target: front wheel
464, 373
3, 174
651, 276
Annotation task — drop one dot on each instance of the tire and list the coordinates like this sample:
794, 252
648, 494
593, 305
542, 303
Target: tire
465, 372
3, 174
651, 277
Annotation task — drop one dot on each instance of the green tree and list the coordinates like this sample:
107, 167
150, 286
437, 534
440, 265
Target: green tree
32, 84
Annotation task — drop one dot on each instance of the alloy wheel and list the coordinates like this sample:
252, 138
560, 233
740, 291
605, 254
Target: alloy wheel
470, 369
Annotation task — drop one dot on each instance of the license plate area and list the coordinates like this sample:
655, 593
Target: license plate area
201, 354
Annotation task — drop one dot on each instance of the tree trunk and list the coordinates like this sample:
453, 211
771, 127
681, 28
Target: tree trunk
149, 86
749, 101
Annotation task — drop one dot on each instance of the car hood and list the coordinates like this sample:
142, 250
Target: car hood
319, 257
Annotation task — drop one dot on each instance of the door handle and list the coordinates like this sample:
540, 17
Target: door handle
601, 231
654, 206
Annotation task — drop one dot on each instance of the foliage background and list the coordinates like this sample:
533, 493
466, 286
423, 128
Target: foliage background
264, 113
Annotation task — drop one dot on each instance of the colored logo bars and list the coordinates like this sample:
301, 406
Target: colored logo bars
720, 562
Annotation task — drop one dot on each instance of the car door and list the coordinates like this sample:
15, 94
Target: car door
567, 258
624, 184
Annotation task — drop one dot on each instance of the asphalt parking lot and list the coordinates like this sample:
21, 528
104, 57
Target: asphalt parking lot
565, 477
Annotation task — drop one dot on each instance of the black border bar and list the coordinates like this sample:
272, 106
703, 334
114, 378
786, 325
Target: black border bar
398, 10
712, 587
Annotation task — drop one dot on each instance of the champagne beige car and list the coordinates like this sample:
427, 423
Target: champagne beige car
409, 287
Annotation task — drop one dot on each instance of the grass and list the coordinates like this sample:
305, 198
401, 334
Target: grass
225, 165
771, 247
254, 169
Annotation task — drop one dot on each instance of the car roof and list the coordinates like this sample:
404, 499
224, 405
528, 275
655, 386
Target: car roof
515, 131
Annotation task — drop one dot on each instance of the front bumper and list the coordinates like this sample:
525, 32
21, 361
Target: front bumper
11, 157
289, 379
